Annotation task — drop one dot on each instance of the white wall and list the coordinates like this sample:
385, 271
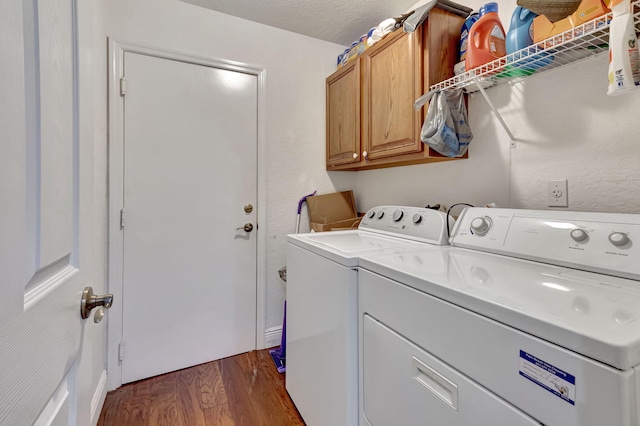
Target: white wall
295, 108
568, 129
567, 126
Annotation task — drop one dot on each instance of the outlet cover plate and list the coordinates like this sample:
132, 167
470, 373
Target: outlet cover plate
557, 193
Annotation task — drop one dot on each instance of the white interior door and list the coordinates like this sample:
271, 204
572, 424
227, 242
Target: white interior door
190, 167
45, 215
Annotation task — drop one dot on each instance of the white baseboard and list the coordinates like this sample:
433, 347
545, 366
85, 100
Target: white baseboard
98, 398
272, 336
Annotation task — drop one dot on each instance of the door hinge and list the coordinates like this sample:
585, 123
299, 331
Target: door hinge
121, 351
123, 86
122, 219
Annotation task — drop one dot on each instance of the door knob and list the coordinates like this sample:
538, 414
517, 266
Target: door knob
90, 301
248, 227
100, 313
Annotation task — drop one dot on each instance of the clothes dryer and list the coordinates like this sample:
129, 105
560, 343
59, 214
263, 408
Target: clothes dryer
530, 317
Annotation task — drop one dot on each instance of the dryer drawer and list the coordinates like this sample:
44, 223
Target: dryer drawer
405, 385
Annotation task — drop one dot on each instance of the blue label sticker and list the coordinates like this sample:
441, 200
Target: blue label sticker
558, 382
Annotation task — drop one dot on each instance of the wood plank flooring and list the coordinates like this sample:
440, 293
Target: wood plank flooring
241, 390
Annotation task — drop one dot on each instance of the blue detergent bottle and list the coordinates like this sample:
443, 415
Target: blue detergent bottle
464, 35
520, 36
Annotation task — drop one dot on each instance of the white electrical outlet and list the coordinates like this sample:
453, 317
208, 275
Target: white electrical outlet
557, 193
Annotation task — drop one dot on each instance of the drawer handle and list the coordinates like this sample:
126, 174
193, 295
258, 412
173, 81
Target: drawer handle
436, 383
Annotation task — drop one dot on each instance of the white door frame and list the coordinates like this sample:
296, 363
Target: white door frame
117, 49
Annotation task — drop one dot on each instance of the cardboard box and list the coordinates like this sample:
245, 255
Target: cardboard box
544, 28
588, 10
332, 211
342, 225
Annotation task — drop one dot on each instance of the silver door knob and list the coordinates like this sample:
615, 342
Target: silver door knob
248, 227
90, 301
100, 313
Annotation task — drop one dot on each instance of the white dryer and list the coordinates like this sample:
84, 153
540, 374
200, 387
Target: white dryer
322, 310
530, 317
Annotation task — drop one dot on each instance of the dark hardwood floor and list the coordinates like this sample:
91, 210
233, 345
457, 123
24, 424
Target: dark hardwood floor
241, 390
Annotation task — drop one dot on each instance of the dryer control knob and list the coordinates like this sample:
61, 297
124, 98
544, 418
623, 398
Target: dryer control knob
371, 214
397, 215
579, 235
417, 218
480, 225
380, 214
618, 239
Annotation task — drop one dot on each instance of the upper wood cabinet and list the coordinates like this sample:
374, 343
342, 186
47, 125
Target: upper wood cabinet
371, 121
391, 82
343, 115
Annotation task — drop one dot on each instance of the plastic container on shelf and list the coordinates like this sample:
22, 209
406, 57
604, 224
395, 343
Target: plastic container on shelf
464, 35
486, 41
520, 34
519, 37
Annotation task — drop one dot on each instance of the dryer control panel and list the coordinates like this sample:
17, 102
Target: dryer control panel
414, 223
600, 242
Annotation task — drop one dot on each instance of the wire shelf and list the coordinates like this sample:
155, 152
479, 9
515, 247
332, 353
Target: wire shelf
580, 42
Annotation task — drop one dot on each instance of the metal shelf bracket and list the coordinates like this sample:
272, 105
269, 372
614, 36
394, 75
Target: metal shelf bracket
495, 111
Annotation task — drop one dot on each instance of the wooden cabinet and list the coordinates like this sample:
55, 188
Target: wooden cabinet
391, 82
371, 122
343, 115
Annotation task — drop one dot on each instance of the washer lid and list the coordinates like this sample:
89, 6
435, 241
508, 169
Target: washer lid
592, 314
346, 247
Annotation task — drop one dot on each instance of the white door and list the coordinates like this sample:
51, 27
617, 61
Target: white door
45, 216
190, 167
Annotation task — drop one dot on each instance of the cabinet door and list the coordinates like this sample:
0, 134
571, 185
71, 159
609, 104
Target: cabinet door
343, 115
392, 75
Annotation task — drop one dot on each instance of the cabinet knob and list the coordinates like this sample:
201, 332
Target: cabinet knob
355, 155
365, 154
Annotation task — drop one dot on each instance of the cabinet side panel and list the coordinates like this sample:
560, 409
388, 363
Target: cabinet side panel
441, 46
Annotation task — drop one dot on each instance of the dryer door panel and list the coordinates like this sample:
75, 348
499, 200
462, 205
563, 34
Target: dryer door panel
405, 385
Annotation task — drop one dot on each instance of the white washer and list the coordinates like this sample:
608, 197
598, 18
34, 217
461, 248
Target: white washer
322, 312
531, 317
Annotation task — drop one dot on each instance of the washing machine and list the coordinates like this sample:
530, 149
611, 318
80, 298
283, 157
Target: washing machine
322, 309
528, 318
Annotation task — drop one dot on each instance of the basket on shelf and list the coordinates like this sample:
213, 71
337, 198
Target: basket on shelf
554, 10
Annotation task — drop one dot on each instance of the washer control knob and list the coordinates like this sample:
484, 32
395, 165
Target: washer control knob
417, 218
397, 215
371, 214
618, 239
480, 225
380, 214
579, 235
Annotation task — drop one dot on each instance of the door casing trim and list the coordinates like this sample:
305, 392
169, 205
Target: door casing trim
115, 191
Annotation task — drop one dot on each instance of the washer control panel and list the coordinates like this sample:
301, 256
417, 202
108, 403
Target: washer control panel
600, 242
415, 223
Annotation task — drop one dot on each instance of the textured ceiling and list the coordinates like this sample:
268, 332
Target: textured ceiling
338, 21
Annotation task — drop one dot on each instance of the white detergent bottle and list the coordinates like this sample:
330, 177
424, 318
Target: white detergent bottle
624, 59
